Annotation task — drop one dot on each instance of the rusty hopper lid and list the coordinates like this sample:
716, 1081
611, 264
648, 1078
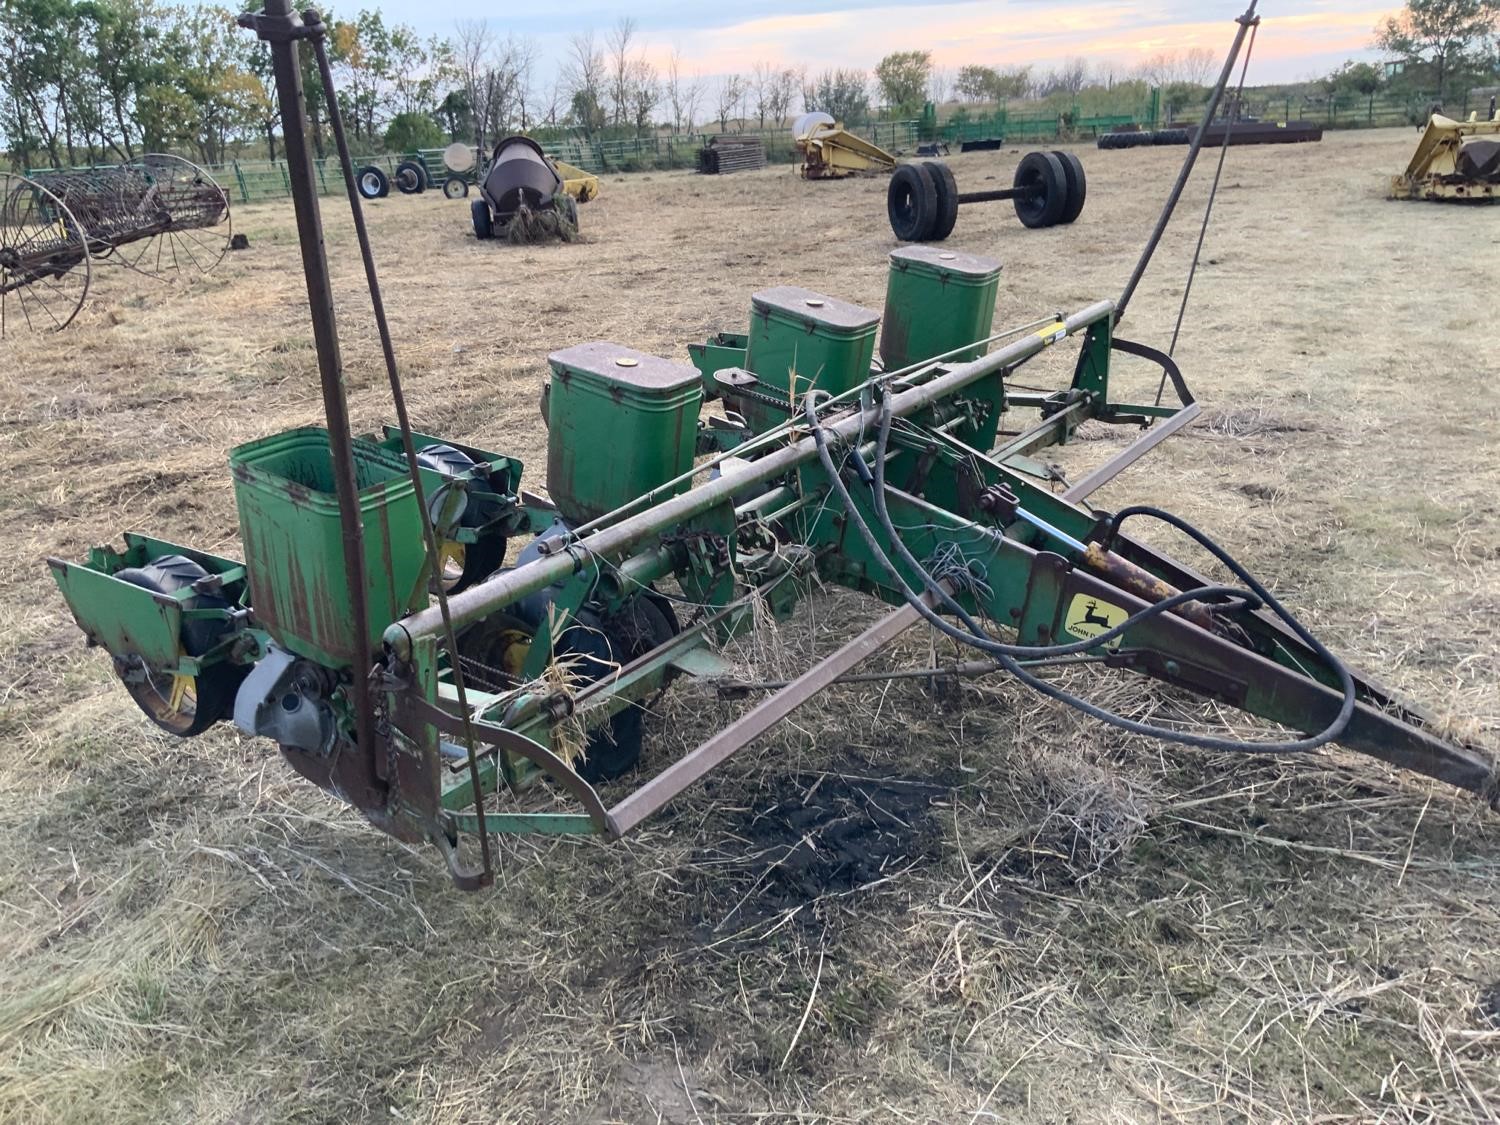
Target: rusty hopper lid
970, 267
618, 364
803, 304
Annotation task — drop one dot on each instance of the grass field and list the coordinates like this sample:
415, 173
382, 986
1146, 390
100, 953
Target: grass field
1024, 917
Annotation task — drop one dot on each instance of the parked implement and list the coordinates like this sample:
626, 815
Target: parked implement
1455, 161
1048, 189
161, 216
455, 657
525, 193
831, 152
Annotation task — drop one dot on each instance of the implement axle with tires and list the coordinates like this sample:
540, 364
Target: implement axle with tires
1048, 190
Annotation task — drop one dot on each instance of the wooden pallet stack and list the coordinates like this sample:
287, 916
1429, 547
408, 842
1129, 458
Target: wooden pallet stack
725, 154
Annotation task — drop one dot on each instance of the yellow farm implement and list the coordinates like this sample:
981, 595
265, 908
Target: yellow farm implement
1455, 160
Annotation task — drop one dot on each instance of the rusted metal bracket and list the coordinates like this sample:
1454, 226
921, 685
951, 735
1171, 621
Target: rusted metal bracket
755, 722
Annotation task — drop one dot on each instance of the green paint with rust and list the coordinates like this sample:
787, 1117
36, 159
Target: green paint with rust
800, 340
127, 619
620, 423
289, 524
937, 300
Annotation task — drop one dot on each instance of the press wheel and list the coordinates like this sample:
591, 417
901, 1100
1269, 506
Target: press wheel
180, 704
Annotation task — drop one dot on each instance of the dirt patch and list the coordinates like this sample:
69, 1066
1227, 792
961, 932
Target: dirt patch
820, 837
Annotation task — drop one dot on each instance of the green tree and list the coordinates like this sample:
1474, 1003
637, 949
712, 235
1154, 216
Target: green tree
1441, 33
408, 132
1355, 78
902, 77
456, 114
975, 83
842, 94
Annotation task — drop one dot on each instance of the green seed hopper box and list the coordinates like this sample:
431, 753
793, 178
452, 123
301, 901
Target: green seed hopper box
816, 341
294, 551
935, 301
620, 423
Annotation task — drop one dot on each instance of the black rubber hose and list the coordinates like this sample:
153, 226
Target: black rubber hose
1006, 654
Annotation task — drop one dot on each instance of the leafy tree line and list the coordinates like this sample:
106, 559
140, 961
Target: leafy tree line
85, 81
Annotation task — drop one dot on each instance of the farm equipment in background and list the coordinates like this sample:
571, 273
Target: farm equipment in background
161, 216
525, 195
455, 170
831, 152
455, 657
1048, 189
1455, 161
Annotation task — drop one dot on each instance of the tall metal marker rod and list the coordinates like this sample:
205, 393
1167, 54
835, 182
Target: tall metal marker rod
281, 28
1246, 22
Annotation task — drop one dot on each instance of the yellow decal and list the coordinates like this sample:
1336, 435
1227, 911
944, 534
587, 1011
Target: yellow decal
1053, 333
1088, 617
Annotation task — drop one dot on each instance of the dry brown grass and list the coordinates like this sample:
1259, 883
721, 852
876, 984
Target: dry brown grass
1078, 926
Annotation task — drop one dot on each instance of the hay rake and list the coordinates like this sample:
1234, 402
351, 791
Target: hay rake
383, 633
158, 217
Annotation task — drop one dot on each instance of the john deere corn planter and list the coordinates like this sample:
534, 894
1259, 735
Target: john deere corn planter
455, 657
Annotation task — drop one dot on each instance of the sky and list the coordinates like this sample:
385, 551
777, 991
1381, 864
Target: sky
1296, 40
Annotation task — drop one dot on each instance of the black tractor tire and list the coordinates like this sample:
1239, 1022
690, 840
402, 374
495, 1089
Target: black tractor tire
947, 199
214, 688
372, 182
411, 178
1078, 186
567, 207
1042, 171
455, 187
479, 211
911, 203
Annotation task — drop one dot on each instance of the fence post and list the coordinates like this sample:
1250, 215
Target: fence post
240, 178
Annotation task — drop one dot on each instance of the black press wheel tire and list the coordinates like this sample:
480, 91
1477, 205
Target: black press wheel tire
912, 203
186, 705
1042, 174
479, 211
411, 178
372, 182
463, 564
1078, 186
455, 187
567, 207
947, 199
593, 646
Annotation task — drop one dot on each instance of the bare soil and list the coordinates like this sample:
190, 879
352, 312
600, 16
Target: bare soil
896, 908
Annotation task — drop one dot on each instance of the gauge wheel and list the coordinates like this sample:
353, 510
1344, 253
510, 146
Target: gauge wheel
372, 182
455, 187
497, 647
182, 705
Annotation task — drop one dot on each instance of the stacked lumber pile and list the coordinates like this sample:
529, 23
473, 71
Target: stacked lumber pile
725, 154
